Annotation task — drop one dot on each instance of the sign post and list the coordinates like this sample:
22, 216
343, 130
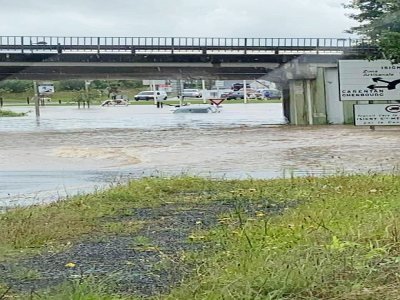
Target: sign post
203, 93
379, 80
376, 114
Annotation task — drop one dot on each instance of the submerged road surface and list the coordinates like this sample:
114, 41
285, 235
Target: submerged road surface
68, 150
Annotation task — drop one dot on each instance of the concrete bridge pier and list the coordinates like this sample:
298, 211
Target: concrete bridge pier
285, 88
304, 101
304, 91
314, 98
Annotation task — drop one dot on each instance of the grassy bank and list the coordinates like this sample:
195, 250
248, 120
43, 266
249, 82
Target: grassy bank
305, 238
8, 113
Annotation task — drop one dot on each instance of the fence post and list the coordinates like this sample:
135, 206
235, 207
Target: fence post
22, 44
98, 45
1, 101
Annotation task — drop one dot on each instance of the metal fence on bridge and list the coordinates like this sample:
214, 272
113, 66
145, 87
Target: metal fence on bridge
43, 44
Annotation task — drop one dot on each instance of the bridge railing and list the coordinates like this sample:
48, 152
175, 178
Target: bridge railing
40, 44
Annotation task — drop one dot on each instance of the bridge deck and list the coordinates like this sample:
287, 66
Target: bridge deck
55, 58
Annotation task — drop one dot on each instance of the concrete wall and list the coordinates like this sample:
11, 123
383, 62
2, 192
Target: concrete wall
334, 107
319, 96
297, 103
307, 100
316, 101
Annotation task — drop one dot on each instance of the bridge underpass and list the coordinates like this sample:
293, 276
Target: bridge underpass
297, 65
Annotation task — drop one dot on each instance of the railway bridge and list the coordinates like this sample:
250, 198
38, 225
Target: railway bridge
301, 66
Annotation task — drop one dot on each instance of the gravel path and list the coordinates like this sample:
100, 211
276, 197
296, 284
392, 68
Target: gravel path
145, 263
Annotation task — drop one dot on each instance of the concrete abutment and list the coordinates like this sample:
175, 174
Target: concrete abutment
314, 98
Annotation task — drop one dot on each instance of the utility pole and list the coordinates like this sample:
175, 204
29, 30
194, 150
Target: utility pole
36, 99
244, 91
203, 93
87, 83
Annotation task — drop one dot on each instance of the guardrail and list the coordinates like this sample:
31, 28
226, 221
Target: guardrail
56, 44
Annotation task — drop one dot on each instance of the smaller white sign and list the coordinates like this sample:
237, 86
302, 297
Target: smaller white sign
377, 114
46, 89
150, 82
219, 83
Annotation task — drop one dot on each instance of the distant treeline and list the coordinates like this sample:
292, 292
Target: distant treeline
21, 86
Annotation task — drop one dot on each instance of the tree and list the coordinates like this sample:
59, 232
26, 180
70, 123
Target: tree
390, 45
113, 88
130, 83
99, 84
71, 85
16, 86
380, 21
375, 17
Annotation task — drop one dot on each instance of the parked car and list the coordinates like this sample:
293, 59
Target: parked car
149, 95
235, 95
270, 93
251, 94
193, 93
225, 95
238, 86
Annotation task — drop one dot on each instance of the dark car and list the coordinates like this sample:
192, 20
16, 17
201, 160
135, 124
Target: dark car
224, 95
272, 94
235, 95
238, 86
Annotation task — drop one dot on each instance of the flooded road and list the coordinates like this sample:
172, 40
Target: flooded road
69, 150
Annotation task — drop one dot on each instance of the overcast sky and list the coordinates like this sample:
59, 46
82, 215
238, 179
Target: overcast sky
205, 18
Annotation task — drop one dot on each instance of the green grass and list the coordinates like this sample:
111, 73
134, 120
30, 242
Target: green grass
8, 113
26, 229
90, 289
341, 241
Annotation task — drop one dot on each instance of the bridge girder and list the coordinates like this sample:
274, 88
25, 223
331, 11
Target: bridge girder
153, 66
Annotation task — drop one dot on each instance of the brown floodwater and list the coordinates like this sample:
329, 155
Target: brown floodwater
69, 151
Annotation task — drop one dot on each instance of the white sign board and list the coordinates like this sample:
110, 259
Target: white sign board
377, 114
150, 82
369, 80
45, 89
219, 83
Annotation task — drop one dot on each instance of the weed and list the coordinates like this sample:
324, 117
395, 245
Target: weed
23, 273
8, 113
83, 289
340, 241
